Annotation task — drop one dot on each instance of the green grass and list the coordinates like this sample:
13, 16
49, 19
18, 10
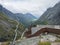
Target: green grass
3, 17
57, 40
44, 43
8, 32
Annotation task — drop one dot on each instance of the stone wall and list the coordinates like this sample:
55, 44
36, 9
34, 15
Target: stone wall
35, 29
43, 30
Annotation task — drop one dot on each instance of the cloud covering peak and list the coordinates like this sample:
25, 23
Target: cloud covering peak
36, 7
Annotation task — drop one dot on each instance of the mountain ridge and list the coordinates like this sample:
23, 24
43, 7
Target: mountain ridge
26, 19
51, 16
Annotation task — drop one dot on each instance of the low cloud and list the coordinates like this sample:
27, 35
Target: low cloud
36, 7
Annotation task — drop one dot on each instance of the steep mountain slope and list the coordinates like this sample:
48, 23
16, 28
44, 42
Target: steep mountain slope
51, 16
26, 19
7, 28
7, 12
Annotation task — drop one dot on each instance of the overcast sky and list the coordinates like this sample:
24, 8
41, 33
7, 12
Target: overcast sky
36, 7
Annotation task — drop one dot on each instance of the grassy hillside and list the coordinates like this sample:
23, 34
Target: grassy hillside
7, 28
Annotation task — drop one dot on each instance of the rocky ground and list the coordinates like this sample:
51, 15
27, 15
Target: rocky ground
42, 38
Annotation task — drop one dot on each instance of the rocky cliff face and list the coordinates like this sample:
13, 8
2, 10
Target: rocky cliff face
51, 16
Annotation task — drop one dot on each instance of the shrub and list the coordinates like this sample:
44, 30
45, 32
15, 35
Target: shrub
44, 43
57, 40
